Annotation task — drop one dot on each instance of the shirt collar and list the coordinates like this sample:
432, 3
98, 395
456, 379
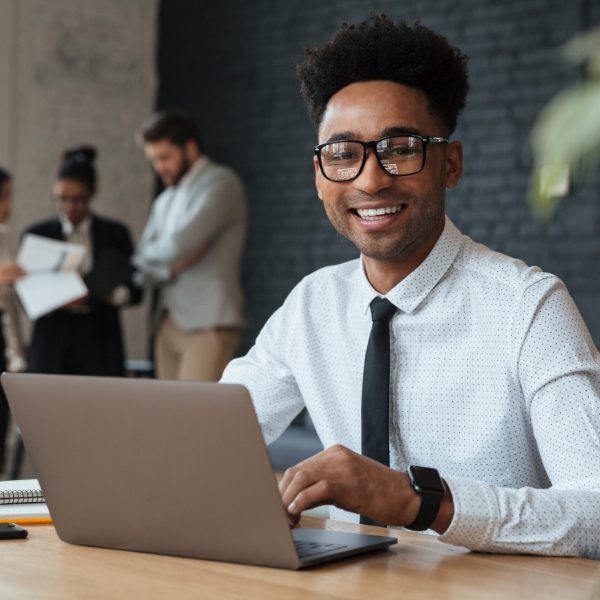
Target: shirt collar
413, 289
68, 228
192, 172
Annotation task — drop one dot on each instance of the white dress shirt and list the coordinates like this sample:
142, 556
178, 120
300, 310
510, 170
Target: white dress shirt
80, 234
495, 382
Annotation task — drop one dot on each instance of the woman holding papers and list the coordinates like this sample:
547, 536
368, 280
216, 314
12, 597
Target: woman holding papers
84, 337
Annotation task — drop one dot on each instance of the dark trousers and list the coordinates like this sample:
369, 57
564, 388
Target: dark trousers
77, 344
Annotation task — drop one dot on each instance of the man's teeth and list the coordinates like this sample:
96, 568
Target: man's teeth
377, 213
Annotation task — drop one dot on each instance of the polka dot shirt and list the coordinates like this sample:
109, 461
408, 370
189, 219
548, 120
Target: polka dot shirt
495, 382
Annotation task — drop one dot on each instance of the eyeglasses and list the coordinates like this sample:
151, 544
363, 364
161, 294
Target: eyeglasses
398, 156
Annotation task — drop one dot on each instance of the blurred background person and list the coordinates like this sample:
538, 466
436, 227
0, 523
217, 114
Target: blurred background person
191, 251
11, 339
84, 337
9, 273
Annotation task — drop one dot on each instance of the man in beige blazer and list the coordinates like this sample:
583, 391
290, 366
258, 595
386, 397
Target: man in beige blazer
191, 251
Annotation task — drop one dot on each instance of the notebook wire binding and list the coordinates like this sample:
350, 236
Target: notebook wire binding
21, 497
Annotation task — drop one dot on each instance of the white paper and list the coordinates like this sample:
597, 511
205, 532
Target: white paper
19, 484
39, 254
14, 512
22, 511
52, 279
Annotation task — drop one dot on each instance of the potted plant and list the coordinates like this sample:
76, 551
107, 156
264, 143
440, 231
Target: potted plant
566, 136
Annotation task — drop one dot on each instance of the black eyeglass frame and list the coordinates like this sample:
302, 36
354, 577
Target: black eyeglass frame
373, 144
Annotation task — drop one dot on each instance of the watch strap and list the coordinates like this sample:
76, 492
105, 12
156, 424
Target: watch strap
428, 511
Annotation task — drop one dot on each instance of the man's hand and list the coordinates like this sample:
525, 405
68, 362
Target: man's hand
351, 482
357, 484
189, 260
10, 272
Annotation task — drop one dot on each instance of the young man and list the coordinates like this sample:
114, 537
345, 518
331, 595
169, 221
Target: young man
479, 418
191, 249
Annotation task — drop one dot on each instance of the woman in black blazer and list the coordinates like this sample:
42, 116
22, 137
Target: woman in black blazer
84, 337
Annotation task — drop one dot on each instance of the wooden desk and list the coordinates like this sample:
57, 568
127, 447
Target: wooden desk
419, 567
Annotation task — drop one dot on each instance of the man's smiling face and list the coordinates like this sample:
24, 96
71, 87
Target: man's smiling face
413, 205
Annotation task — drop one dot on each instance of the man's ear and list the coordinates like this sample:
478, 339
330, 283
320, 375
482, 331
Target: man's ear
192, 152
454, 164
317, 177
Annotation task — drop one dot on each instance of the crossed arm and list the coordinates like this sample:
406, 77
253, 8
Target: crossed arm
188, 260
162, 255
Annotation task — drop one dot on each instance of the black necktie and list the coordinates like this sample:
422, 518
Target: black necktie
376, 386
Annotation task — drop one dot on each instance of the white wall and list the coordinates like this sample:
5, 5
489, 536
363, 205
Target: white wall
79, 71
7, 79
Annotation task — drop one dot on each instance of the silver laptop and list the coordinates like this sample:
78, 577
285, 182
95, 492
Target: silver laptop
166, 467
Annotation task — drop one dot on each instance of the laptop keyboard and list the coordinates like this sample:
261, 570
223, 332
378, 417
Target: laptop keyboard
305, 549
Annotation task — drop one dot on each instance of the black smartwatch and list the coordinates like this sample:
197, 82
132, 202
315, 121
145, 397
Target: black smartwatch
430, 486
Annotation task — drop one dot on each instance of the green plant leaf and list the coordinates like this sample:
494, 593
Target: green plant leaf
566, 134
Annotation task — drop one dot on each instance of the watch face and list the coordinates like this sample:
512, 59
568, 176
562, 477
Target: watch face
426, 479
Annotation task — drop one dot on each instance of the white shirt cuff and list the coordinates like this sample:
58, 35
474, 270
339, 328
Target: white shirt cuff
475, 514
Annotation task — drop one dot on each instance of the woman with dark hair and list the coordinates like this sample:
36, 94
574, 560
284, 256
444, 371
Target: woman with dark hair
84, 337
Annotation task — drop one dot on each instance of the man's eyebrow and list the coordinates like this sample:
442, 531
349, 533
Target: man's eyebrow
389, 131
341, 136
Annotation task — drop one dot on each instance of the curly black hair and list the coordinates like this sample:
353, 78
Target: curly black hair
379, 49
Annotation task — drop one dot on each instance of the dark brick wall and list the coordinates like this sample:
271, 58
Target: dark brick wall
232, 65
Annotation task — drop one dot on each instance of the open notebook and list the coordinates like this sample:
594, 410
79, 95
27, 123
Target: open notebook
22, 501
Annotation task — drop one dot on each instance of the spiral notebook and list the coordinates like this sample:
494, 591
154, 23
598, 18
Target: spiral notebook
22, 501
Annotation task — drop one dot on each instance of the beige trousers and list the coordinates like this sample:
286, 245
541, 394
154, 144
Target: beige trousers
195, 355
